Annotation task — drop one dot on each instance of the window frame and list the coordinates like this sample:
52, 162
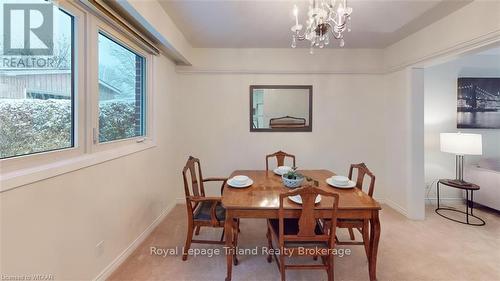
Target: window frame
25, 169
98, 26
15, 163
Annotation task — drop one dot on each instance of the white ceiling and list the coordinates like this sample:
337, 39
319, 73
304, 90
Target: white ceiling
266, 23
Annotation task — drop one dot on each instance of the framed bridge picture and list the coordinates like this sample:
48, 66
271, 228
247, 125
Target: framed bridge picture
478, 103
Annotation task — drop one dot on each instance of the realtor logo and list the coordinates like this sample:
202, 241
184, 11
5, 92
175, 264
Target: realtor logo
28, 29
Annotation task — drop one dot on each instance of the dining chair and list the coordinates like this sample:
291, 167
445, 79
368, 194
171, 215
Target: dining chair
304, 236
203, 211
280, 158
359, 224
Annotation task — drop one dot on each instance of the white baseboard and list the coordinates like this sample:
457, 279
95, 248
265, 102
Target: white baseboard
396, 207
108, 270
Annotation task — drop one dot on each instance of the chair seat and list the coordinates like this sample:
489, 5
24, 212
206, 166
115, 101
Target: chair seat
202, 212
291, 227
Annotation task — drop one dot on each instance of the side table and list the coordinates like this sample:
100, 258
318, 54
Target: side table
468, 187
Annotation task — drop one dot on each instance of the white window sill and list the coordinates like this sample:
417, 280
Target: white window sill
15, 179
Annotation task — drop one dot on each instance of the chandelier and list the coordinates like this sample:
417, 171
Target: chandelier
325, 18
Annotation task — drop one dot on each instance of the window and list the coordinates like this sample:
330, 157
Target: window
90, 94
121, 91
37, 91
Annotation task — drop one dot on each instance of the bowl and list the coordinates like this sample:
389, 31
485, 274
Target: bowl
240, 179
292, 183
340, 180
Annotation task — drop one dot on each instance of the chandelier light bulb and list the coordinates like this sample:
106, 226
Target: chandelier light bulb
296, 14
340, 10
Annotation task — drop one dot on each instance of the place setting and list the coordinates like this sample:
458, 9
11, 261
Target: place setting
297, 199
281, 170
341, 182
240, 181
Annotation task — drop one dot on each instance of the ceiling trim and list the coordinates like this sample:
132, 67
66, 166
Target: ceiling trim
452, 51
427, 18
461, 48
195, 70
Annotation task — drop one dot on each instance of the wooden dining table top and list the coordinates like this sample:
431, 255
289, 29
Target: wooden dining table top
267, 186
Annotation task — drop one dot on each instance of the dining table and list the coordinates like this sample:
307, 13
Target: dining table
261, 200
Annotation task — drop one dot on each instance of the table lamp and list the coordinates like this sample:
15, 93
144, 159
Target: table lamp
460, 145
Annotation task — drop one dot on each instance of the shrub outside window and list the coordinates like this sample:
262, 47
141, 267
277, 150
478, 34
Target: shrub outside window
121, 91
37, 109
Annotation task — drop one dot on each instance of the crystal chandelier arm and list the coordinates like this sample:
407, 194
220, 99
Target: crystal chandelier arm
332, 18
336, 35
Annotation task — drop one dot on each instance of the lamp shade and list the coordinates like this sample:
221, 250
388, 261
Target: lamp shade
461, 144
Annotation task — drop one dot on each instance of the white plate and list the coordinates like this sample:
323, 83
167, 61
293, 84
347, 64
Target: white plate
235, 185
277, 171
350, 184
297, 199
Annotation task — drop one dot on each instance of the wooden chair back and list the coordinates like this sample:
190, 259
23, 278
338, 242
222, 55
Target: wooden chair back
193, 183
280, 158
309, 216
363, 171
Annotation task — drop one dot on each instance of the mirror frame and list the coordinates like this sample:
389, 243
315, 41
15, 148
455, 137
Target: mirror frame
304, 129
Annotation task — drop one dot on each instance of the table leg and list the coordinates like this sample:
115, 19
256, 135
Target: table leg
472, 202
228, 229
374, 239
437, 189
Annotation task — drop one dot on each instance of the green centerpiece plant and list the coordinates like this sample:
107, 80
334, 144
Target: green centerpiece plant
293, 174
292, 179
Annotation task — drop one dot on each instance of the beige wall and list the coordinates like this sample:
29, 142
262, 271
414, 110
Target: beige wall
446, 39
403, 119
348, 124
53, 226
360, 114
397, 130
441, 117
150, 12
373, 107
475, 25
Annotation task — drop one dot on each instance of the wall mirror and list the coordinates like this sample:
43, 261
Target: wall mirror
284, 108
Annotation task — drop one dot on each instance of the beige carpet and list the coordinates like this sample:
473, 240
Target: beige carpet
434, 249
